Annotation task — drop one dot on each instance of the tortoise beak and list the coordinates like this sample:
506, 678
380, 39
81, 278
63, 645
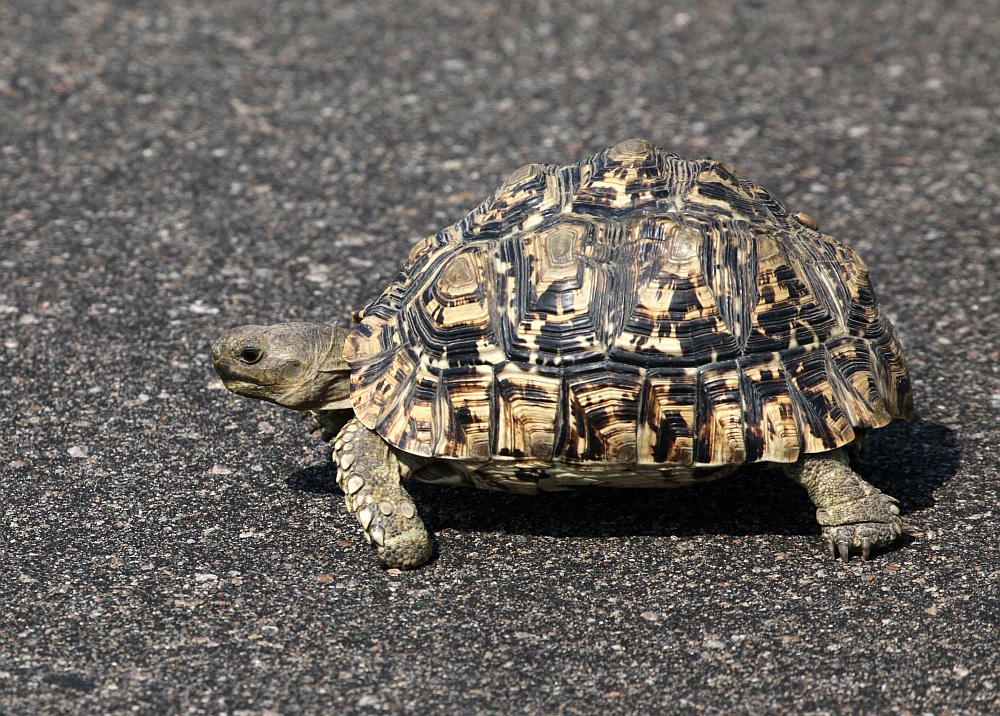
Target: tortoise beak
221, 358
226, 365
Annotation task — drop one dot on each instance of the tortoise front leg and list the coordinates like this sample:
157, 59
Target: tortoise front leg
853, 514
328, 423
371, 476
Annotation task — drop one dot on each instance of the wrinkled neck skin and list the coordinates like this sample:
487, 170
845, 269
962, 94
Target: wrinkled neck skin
295, 365
330, 376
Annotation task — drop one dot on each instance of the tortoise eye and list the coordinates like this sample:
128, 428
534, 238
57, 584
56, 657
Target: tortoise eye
250, 354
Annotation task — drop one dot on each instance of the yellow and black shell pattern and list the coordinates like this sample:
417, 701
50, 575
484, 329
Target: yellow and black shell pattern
635, 310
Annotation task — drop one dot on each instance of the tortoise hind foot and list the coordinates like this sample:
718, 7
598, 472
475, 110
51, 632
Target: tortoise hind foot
371, 477
855, 515
862, 536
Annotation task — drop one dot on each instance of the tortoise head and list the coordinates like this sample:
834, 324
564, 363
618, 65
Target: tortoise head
296, 365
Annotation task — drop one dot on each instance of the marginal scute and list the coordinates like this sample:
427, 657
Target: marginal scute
771, 433
821, 422
855, 382
720, 416
392, 380
602, 415
463, 413
635, 311
411, 414
666, 432
529, 403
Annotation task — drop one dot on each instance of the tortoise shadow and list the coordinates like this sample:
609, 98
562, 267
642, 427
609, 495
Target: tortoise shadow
912, 460
909, 461
318, 479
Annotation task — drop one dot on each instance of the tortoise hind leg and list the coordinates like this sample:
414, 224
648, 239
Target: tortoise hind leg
371, 476
853, 514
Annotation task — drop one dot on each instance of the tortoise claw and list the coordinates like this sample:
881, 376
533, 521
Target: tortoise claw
844, 549
866, 547
864, 538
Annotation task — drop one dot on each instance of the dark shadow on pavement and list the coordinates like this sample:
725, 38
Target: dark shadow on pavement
320, 479
909, 461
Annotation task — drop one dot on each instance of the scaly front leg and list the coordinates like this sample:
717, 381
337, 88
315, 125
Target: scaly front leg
371, 475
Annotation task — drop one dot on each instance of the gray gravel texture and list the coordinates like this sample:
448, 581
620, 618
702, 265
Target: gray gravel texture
168, 169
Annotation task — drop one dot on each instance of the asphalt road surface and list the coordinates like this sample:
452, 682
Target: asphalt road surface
169, 169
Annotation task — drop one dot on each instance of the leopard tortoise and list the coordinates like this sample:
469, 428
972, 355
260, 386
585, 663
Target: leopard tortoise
634, 320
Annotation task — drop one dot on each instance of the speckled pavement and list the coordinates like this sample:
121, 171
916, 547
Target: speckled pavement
170, 169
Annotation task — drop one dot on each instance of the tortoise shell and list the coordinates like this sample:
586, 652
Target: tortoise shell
633, 309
